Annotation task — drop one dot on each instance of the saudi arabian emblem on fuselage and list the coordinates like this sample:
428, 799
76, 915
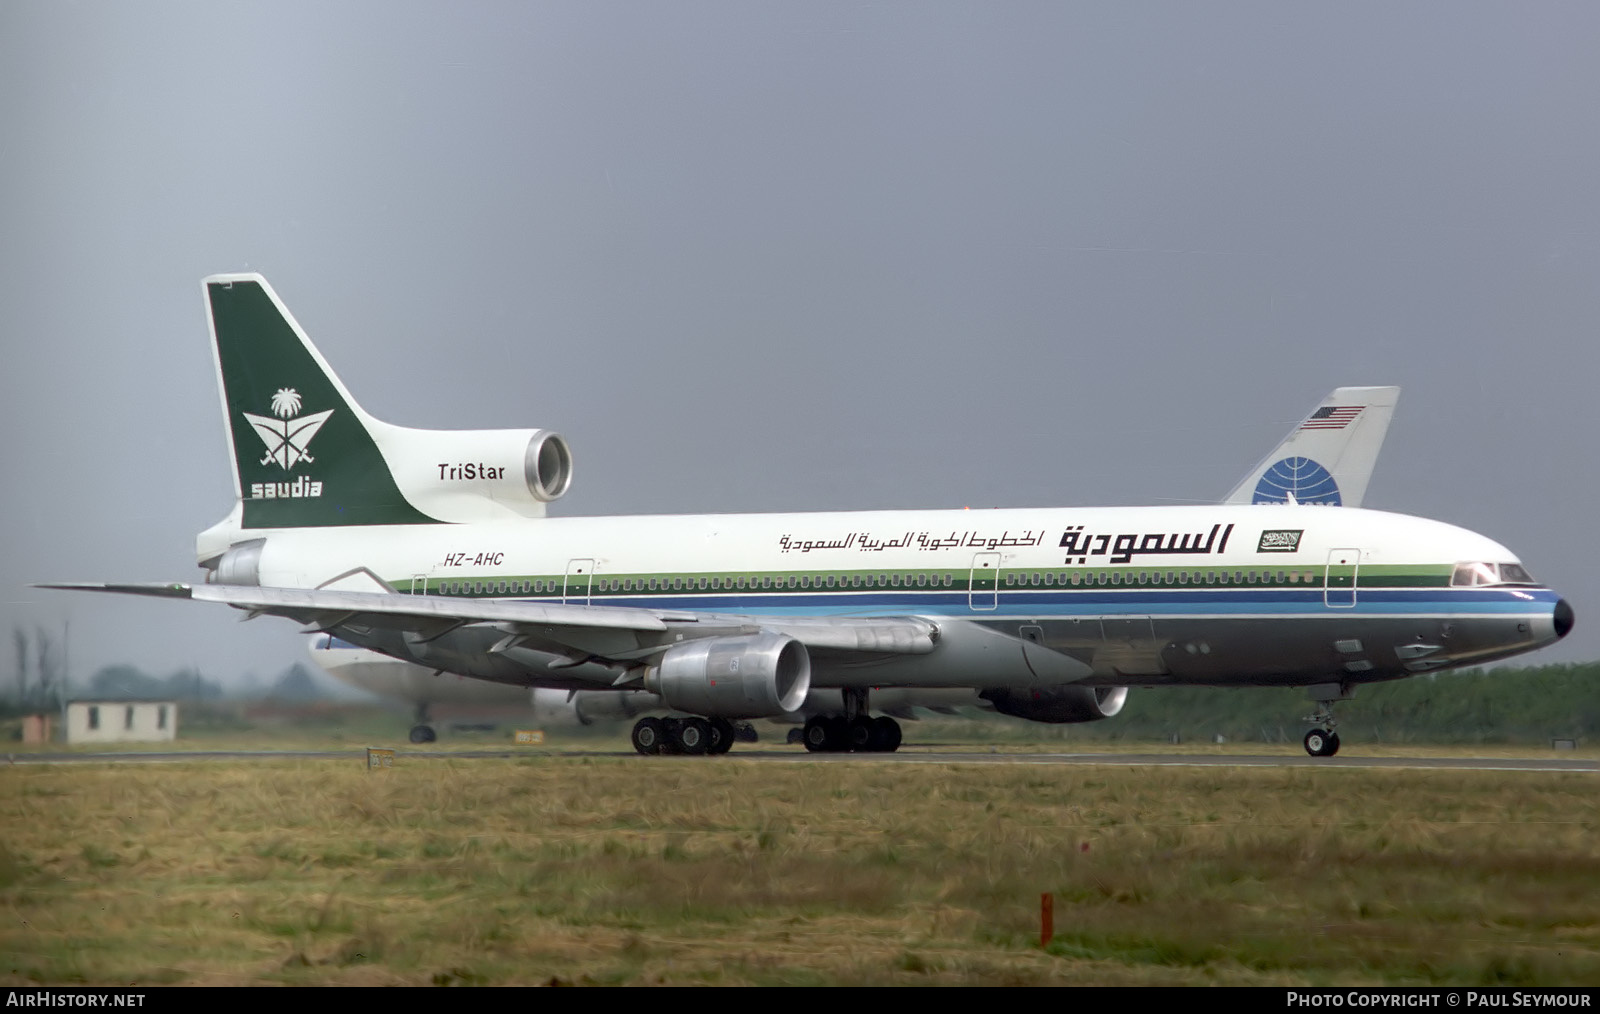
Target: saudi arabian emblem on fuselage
287, 439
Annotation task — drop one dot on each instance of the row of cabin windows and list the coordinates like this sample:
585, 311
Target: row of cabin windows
600, 585
127, 717
1012, 579
1078, 578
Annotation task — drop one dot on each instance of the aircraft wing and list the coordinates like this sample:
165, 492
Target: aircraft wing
1328, 458
623, 634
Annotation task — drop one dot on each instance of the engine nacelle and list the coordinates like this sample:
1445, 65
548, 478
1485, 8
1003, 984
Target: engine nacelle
754, 676
1058, 705
547, 466
240, 565
464, 476
591, 706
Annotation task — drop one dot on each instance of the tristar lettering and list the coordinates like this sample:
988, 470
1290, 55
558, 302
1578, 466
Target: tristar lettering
1080, 545
1280, 540
470, 470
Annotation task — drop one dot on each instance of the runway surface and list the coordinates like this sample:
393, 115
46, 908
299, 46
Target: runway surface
909, 756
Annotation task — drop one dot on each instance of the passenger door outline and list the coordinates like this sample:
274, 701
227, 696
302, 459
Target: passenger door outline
579, 579
1339, 588
983, 583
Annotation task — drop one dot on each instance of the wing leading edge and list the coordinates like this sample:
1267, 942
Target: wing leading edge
618, 634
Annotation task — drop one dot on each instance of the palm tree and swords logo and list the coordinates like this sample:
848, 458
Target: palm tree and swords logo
287, 438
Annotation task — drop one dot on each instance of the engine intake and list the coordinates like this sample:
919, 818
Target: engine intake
547, 466
755, 676
1058, 705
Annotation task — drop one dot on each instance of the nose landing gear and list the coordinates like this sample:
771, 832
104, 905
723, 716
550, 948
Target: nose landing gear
1324, 741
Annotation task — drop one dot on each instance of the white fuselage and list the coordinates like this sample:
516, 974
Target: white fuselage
1254, 594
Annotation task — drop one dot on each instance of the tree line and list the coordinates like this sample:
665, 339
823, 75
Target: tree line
1531, 704
36, 680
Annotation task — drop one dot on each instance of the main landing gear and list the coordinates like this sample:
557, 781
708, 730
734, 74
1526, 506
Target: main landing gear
855, 731
422, 732
862, 734
691, 736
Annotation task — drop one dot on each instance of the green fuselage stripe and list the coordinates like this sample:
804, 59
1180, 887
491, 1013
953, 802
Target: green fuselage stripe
814, 581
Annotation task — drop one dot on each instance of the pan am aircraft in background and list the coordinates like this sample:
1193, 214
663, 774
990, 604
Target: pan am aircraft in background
432, 547
1326, 458
422, 688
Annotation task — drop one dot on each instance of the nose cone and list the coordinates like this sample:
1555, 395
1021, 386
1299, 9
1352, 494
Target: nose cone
1562, 618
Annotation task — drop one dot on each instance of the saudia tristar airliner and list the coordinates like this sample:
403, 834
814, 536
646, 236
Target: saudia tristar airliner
1327, 457
433, 547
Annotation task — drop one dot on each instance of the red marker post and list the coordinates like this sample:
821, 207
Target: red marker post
1047, 918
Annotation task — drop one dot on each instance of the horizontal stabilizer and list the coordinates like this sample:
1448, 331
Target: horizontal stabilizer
164, 591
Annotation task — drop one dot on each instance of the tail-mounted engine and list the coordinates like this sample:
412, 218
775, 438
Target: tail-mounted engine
240, 565
477, 475
1058, 705
754, 676
547, 466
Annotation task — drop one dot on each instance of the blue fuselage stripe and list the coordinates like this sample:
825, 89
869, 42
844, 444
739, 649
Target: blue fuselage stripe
1104, 602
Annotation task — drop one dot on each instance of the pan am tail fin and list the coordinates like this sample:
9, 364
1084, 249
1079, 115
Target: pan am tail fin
1328, 458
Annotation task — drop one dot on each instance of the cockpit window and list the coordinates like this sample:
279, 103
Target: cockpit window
1513, 573
1470, 575
1476, 575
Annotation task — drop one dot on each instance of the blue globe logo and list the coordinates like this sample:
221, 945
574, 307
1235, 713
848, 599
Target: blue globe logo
1304, 479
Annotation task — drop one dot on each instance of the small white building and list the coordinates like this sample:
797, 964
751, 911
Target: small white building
122, 721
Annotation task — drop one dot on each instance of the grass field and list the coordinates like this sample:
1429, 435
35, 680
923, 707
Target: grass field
629, 870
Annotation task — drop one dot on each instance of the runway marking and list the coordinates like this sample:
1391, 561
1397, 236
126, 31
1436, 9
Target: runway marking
1201, 760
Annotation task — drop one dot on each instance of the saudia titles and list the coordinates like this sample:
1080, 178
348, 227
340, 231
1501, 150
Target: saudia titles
286, 440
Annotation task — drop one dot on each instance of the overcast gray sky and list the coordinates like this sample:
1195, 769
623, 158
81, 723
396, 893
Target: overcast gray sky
798, 256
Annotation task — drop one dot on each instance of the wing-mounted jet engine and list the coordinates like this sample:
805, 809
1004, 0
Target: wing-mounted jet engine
1058, 705
750, 676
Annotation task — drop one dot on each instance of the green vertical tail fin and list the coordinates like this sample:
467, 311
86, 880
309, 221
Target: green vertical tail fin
303, 450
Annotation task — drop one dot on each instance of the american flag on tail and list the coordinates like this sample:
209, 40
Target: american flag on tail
1332, 417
